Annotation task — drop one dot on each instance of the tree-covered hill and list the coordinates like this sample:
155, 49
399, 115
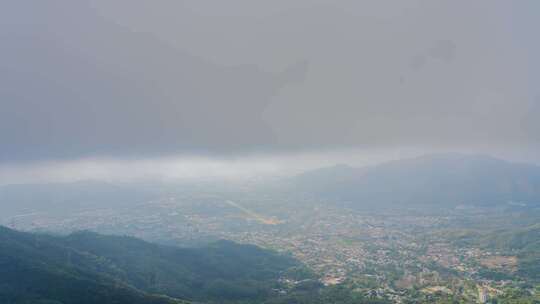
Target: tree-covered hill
522, 242
39, 269
90, 268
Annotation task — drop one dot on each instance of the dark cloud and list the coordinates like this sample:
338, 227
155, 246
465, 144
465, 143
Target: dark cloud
75, 84
140, 78
444, 51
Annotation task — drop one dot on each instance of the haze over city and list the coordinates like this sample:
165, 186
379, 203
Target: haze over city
307, 151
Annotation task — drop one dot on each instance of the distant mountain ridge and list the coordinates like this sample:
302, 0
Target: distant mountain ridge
436, 180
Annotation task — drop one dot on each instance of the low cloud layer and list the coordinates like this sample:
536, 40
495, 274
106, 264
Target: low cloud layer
190, 168
148, 79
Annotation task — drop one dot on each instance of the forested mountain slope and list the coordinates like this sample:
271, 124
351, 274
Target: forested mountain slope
85, 267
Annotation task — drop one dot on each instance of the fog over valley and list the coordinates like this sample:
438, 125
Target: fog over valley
269, 152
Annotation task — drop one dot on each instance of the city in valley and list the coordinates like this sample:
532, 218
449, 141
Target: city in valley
269, 152
398, 255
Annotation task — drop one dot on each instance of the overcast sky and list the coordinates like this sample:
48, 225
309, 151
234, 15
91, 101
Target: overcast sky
227, 81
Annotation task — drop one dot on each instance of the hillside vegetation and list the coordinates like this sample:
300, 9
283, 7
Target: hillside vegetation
85, 267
